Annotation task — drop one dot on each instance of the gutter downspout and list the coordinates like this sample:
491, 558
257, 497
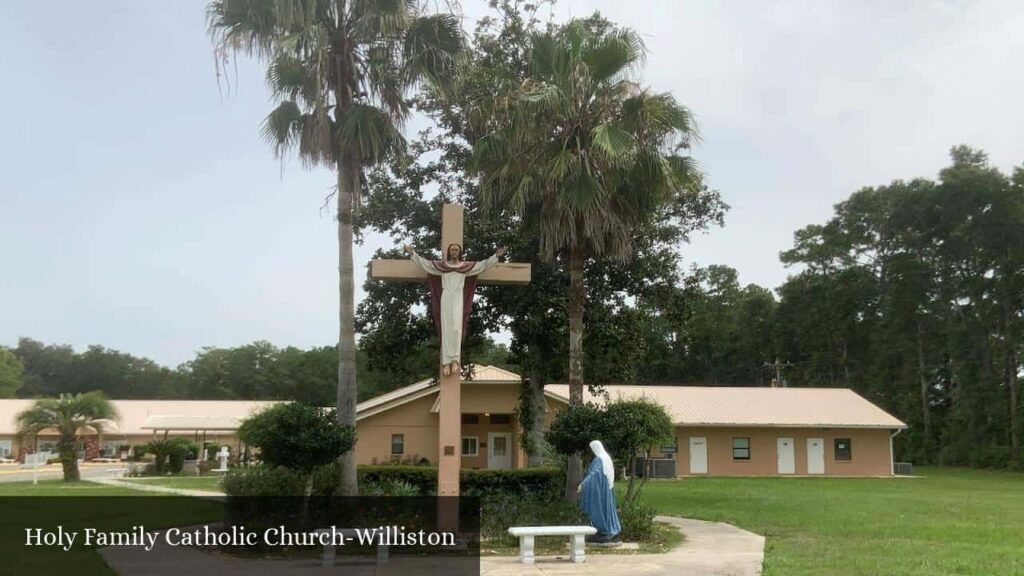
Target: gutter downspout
892, 455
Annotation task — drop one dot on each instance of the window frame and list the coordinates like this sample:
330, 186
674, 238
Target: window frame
848, 452
736, 458
401, 438
476, 446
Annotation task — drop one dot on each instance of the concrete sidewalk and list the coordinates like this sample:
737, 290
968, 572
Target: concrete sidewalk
144, 487
710, 549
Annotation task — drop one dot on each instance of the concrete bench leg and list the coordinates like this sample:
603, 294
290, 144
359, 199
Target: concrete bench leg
382, 555
526, 549
329, 554
578, 550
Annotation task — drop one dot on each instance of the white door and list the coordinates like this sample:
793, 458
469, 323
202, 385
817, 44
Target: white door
815, 456
499, 450
787, 462
698, 455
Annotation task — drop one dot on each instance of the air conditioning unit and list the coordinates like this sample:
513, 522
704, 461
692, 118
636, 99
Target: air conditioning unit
654, 468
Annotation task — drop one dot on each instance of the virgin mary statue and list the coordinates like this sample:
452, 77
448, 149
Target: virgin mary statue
597, 497
452, 282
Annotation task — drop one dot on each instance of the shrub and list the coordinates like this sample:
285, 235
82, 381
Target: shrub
637, 522
138, 453
540, 483
632, 427
572, 430
176, 459
499, 512
210, 452
263, 481
422, 477
390, 488
169, 454
298, 436
544, 483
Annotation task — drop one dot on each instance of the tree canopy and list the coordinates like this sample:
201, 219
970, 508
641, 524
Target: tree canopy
298, 436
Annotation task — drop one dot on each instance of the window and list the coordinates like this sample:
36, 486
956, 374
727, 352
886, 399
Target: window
110, 449
470, 446
470, 419
741, 448
844, 450
501, 419
47, 447
5, 448
397, 444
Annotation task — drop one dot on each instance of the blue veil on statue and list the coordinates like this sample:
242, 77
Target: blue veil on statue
597, 497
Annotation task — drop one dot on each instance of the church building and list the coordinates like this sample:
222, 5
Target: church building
720, 431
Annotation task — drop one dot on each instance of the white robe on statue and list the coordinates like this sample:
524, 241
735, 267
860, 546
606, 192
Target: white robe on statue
452, 284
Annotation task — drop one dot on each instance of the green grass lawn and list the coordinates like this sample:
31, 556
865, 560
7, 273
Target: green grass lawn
61, 488
208, 483
947, 522
20, 510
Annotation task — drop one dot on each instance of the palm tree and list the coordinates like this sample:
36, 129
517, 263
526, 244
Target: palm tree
586, 156
69, 416
340, 71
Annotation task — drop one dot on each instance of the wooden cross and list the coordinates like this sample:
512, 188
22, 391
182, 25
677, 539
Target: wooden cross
449, 435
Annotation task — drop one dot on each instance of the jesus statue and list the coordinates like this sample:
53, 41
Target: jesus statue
452, 282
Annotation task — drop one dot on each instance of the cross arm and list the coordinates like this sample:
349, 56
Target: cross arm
505, 273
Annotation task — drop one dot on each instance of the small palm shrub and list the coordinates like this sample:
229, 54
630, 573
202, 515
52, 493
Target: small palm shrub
637, 522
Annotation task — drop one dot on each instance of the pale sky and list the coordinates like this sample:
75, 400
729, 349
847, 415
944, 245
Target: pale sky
140, 210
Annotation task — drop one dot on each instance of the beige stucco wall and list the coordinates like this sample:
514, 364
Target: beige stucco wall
870, 451
419, 426
128, 440
414, 420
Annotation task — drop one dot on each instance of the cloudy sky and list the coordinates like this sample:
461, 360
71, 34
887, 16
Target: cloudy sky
140, 210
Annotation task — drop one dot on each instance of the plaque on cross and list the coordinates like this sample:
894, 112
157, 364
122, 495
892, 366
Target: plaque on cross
450, 323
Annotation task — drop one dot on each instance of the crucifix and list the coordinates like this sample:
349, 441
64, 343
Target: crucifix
451, 283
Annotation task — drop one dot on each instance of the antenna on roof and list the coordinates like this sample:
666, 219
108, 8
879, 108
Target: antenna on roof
778, 381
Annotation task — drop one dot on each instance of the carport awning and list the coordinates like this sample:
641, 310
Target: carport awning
192, 423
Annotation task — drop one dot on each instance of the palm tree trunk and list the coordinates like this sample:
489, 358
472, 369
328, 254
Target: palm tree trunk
69, 458
348, 179
576, 302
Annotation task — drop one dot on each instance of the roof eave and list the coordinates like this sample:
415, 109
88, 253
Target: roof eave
900, 426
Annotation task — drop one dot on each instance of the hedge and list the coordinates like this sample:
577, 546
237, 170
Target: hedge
539, 483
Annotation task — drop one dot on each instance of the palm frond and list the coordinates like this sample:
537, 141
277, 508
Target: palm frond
616, 144
67, 414
282, 128
660, 115
289, 78
615, 54
248, 26
433, 50
542, 55
369, 133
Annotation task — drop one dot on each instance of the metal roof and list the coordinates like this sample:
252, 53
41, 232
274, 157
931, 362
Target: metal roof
753, 406
135, 415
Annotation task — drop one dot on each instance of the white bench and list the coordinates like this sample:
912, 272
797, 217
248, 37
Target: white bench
577, 540
330, 552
